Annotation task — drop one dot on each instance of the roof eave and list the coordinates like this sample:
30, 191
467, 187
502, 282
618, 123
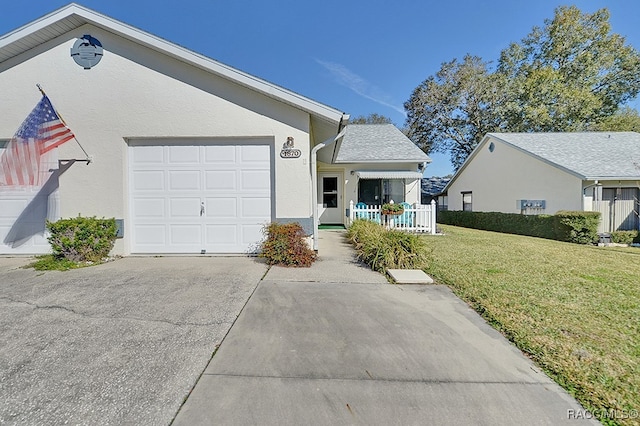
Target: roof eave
397, 161
636, 178
314, 108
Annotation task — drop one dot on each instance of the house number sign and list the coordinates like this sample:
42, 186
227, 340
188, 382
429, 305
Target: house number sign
288, 151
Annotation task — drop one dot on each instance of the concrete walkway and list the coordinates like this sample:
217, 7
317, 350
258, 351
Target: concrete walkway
336, 344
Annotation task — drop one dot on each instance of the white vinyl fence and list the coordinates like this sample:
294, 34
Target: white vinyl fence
415, 218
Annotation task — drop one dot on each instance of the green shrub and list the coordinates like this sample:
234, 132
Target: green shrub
624, 237
285, 245
384, 249
82, 239
577, 226
541, 226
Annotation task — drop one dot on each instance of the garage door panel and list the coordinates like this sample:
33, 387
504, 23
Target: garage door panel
252, 233
148, 155
12, 208
149, 207
220, 180
184, 207
255, 179
153, 235
220, 154
186, 235
254, 153
25, 228
184, 180
184, 154
221, 207
148, 180
256, 207
222, 234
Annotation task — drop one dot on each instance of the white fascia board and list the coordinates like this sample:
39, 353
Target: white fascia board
178, 52
628, 178
37, 25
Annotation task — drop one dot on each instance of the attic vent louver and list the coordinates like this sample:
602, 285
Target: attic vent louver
87, 51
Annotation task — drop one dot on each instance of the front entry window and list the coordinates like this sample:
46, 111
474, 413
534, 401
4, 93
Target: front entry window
330, 192
380, 191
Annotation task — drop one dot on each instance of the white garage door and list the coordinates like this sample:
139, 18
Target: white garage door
199, 198
23, 213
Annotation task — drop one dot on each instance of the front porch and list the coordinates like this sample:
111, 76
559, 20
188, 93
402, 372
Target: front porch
419, 218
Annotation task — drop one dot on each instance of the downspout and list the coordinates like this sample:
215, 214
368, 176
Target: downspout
314, 178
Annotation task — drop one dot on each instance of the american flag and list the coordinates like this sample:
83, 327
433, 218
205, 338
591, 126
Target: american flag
23, 160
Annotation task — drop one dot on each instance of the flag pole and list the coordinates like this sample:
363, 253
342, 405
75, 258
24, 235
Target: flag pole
88, 159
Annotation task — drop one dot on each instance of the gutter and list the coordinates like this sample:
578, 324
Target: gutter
314, 176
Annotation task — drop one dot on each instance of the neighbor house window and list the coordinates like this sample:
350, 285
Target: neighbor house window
467, 199
3, 144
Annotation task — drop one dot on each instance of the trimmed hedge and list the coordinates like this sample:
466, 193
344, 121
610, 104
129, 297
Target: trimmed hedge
625, 237
576, 227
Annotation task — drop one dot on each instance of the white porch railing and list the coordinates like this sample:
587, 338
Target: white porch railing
417, 218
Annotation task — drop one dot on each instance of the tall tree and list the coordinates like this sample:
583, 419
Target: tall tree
451, 111
626, 119
372, 118
569, 74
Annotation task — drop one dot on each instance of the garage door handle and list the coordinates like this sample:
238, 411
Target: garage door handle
201, 209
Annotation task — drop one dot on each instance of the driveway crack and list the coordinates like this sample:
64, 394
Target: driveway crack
129, 318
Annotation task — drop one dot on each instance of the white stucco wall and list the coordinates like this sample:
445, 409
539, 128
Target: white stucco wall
135, 92
498, 179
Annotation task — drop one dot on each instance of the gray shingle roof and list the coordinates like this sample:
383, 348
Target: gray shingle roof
591, 155
377, 143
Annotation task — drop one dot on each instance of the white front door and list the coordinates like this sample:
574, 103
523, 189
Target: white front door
199, 198
330, 205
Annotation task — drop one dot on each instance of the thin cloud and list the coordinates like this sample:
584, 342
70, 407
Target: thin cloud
359, 85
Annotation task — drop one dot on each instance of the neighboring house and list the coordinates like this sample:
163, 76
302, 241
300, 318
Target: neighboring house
189, 154
371, 164
432, 189
534, 173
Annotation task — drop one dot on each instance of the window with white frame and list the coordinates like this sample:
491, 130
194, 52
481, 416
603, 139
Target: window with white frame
467, 201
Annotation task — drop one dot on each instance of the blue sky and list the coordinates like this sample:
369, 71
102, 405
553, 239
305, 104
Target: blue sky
359, 56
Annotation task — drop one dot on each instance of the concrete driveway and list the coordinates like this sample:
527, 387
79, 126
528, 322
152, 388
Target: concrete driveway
118, 343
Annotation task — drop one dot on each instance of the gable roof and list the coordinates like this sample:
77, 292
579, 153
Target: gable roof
377, 143
588, 155
73, 16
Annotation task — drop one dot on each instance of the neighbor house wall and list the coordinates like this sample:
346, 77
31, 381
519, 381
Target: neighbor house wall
498, 179
136, 92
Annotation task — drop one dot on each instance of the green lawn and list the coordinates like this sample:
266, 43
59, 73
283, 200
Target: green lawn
575, 310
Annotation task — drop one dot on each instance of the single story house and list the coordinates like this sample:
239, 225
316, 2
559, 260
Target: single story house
534, 173
188, 154
371, 164
432, 188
